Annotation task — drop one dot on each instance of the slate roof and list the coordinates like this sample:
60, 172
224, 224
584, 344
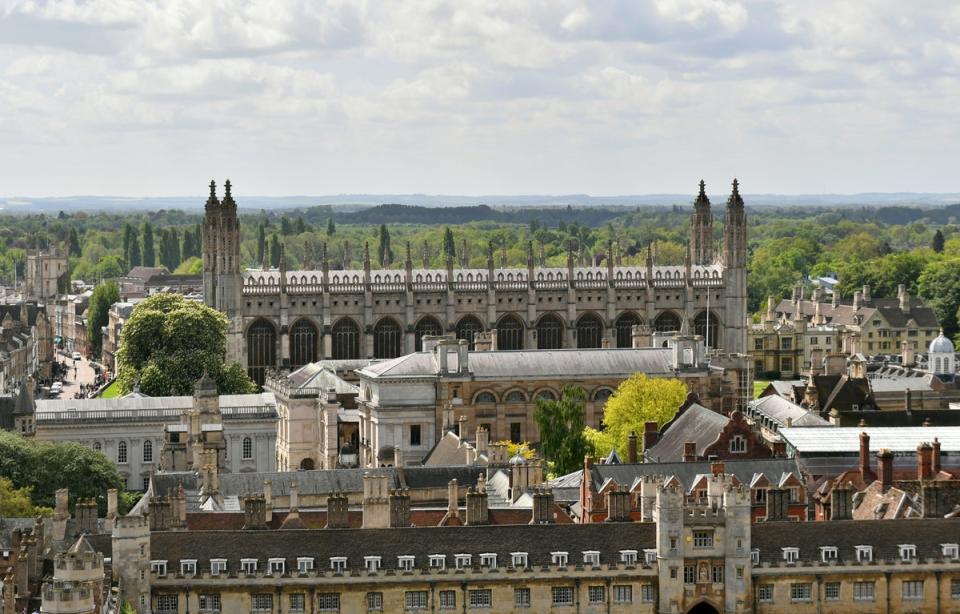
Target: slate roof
696, 424
686, 473
531, 364
146, 272
884, 535
779, 410
846, 440
889, 308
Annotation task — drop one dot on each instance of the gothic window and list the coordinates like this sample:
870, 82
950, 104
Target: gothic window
148, 451
624, 325
549, 333
122, 452
426, 326
589, 331
467, 327
700, 328
386, 339
738, 445
247, 448
303, 343
666, 322
346, 340
509, 333
261, 350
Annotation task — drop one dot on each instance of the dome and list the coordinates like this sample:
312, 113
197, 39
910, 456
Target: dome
941, 345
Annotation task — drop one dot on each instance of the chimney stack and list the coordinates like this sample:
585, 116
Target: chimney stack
777, 504
650, 435
254, 513
376, 502
904, 297
885, 462
112, 509
399, 509
931, 500
866, 293
866, 474
841, 503
453, 503
717, 468
542, 506
293, 521
936, 456
61, 514
924, 462
857, 299
632, 448
482, 441
86, 514
689, 452
476, 506
618, 506
338, 511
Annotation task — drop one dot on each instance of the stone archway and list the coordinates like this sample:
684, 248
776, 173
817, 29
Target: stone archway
704, 607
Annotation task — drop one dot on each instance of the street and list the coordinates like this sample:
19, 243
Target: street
84, 375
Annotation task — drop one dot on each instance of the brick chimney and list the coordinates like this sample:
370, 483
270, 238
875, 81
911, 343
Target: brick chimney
866, 474
86, 515
650, 435
689, 452
924, 461
399, 509
632, 447
338, 511
477, 507
936, 455
777, 499
542, 506
254, 513
885, 463
618, 506
717, 468
161, 515
841, 503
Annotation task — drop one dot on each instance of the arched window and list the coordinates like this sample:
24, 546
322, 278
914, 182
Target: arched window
467, 327
148, 451
700, 328
122, 452
738, 445
624, 325
261, 350
549, 332
307, 464
346, 340
602, 394
589, 331
97, 446
667, 322
546, 395
427, 325
386, 339
509, 333
515, 396
303, 343
247, 448
484, 397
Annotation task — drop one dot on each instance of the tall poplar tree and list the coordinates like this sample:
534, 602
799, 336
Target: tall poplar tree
149, 254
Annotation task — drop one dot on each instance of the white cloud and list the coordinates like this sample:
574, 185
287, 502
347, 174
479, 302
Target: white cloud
477, 96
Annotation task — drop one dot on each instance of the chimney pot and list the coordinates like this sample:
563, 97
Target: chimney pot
885, 461
632, 448
865, 472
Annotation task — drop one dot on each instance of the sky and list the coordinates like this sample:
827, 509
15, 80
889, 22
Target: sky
604, 97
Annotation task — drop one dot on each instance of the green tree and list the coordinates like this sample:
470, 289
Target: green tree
190, 266
275, 250
132, 253
74, 242
384, 253
637, 400
108, 267
149, 254
104, 295
939, 284
331, 227
18, 503
299, 227
285, 228
937, 243
449, 243
169, 342
561, 424
261, 242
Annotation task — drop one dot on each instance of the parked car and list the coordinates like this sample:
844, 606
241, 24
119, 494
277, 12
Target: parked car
56, 388
77, 356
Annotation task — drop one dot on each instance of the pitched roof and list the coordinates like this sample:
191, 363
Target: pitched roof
780, 411
846, 440
696, 424
686, 473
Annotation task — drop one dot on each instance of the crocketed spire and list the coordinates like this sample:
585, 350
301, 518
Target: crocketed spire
735, 200
227, 197
212, 201
702, 200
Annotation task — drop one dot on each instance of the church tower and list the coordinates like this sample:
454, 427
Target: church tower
701, 229
734, 258
221, 263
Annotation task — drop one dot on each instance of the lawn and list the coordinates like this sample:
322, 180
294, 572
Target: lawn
758, 386
110, 392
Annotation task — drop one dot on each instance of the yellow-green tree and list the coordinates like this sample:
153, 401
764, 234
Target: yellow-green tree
16, 502
637, 400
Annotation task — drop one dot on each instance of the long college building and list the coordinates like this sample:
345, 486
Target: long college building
284, 319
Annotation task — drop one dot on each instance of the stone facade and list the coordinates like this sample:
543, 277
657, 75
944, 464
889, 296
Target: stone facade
284, 319
46, 274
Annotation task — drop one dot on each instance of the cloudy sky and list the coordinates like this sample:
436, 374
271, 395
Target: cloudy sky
478, 96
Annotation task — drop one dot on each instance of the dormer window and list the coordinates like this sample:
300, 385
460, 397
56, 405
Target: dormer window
828, 553
463, 561
591, 558
248, 566
405, 562
337, 563
628, 557
738, 445
649, 556
559, 558
305, 564
158, 568
908, 552
188, 567
371, 563
277, 566
950, 551
438, 561
864, 554
755, 556
488, 560
218, 566
790, 555
518, 560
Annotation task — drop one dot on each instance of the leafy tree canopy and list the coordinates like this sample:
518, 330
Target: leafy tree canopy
18, 503
104, 295
168, 342
637, 400
562, 440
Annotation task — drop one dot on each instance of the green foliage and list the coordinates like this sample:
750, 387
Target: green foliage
939, 283
261, 242
169, 342
149, 255
384, 253
74, 242
885, 273
937, 243
637, 400
190, 266
18, 502
449, 243
104, 295
275, 250
331, 227
44, 467
561, 424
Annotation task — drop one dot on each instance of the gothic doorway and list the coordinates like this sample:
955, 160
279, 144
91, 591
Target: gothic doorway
703, 607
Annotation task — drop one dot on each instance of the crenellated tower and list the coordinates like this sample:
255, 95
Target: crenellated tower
701, 229
734, 259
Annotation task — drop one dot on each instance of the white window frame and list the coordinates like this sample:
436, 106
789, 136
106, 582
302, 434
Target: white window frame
755, 556
444, 602
797, 585
248, 566
827, 596
209, 602
864, 554
518, 560
701, 538
559, 558
629, 557
438, 561
623, 593
521, 597
374, 601
910, 595
305, 564
338, 564
405, 562
908, 552
950, 551
828, 553
291, 607
266, 597
648, 593
371, 564
481, 598
864, 583
591, 558
594, 591
462, 561
765, 588
188, 567
649, 556
790, 555
218, 566
277, 566
420, 605
158, 568
738, 444
488, 560
556, 590
332, 596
